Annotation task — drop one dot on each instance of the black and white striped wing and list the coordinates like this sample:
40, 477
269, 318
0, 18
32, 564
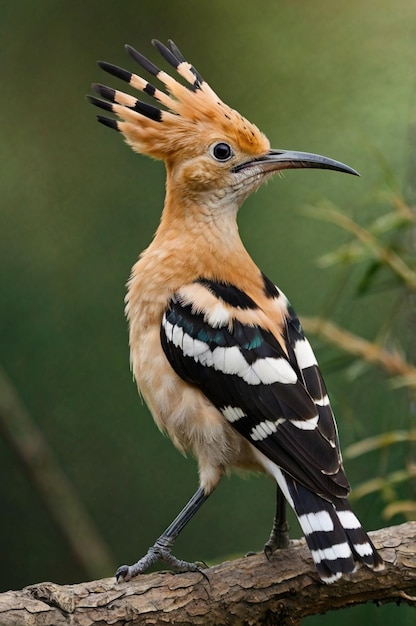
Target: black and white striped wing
276, 400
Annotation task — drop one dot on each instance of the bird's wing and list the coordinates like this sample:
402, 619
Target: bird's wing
274, 398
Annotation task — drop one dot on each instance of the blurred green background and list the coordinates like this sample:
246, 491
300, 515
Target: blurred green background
77, 207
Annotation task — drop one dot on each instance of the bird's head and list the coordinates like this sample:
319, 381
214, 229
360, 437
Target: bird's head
213, 155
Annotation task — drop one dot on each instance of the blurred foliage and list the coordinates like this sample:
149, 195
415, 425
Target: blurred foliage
384, 251
77, 208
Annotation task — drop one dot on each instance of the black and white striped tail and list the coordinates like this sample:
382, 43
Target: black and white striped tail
333, 533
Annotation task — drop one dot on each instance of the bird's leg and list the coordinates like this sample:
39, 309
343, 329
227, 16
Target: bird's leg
161, 550
279, 537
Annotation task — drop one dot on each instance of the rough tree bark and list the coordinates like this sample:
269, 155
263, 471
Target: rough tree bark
247, 591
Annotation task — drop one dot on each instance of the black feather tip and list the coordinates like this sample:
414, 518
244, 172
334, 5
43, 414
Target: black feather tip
108, 122
115, 70
141, 60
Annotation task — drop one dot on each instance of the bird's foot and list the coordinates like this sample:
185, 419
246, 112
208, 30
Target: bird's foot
278, 540
158, 552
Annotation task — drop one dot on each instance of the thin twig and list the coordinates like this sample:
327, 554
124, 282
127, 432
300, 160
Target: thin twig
44, 472
372, 353
384, 254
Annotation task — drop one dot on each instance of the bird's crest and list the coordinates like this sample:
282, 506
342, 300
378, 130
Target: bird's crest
191, 112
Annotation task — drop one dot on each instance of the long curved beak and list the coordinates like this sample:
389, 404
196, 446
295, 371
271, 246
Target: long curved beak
288, 159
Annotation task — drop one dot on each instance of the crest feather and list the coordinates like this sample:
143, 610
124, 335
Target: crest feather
189, 111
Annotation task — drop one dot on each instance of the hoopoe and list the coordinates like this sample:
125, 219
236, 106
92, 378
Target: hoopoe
217, 351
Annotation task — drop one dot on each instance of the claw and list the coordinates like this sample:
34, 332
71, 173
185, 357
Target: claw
122, 573
268, 551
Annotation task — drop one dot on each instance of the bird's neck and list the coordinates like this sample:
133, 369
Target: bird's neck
203, 241
192, 243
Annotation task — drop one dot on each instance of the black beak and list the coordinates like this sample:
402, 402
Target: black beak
287, 159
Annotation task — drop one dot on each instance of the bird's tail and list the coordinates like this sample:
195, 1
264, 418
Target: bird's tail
333, 533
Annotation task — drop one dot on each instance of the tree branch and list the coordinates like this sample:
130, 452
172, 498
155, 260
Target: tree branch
243, 592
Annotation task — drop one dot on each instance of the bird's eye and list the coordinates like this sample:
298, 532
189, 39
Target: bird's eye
222, 151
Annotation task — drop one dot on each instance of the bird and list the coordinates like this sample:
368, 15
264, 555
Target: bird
217, 351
